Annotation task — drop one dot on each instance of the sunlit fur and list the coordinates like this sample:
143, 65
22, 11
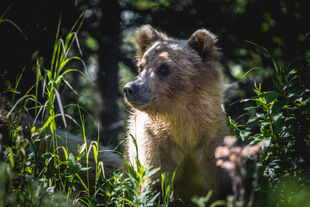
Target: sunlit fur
185, 122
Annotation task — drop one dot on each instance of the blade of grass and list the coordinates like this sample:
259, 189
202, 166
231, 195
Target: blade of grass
55, 44
61, 107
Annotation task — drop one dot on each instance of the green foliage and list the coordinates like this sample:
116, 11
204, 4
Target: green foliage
281, 116
33, 173
30, 192
153, 4
202, 201
132, 189
37, 169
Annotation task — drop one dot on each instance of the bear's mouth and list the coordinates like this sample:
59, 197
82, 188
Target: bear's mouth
140, 104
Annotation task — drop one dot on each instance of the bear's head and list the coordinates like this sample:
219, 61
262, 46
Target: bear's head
172, 73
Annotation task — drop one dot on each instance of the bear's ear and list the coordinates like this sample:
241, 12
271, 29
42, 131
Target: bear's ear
145, 36
204, 43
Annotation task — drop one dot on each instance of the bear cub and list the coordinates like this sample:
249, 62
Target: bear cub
177, 119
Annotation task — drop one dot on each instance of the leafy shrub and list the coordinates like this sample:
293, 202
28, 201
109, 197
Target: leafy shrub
282, 117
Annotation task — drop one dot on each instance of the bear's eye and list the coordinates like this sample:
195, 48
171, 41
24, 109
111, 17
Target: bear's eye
163, 70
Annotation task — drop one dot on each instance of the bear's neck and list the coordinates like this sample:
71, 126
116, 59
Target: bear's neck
201, 119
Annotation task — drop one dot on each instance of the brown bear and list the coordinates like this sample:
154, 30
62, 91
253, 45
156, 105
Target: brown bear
177, 118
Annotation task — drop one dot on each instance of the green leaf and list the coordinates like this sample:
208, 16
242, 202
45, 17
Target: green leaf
277, 116
277, 106
71, 157
218, 203
46, 124
65, 152
11, 157
259, 115
244, 135
85, 168
292, 72
25, 97
60, 107
33, 129
245, 100
278, 126
252, 119
261, 101
270, 96
82, 148
95, 151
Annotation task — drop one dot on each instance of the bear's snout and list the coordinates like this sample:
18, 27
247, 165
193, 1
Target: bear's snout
137, 93
130, 90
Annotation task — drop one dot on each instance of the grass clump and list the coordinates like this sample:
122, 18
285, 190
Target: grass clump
37, 164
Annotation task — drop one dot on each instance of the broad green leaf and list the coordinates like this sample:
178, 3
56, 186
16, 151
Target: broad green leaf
277, 106
270, 96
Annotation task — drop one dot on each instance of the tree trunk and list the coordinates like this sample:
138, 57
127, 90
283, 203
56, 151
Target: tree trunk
107, 77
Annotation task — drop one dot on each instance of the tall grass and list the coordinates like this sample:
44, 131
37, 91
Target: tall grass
39, 167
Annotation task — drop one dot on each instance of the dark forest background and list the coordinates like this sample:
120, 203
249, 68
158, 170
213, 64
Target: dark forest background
106, 43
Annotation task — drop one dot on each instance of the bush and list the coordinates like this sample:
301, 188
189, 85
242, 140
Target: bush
282, 117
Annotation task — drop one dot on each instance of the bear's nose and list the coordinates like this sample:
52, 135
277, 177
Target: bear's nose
129, 90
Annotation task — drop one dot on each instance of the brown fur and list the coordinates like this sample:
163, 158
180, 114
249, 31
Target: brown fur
183, 122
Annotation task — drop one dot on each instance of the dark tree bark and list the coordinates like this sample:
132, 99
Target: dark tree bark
107, 77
